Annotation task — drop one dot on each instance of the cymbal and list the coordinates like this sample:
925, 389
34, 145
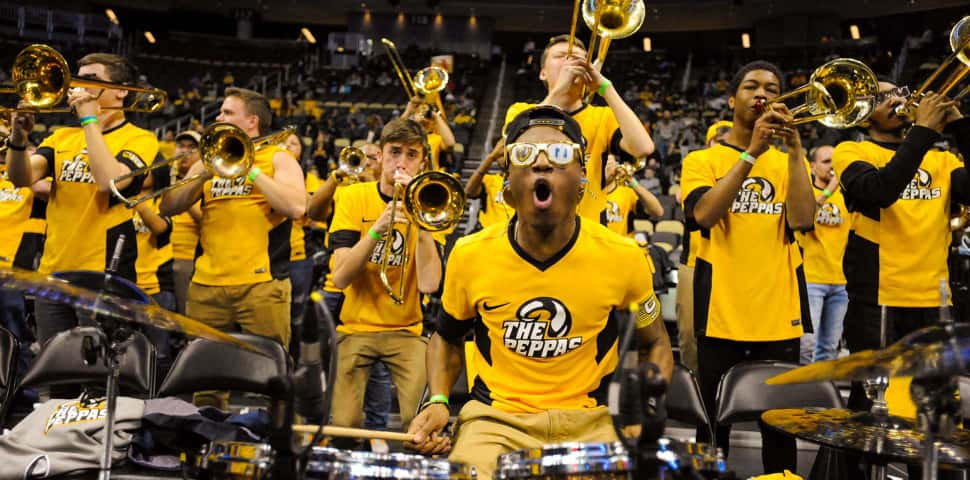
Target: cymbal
928, 352
59, 290
838, 428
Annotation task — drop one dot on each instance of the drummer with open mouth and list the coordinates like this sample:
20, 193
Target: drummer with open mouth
537, 292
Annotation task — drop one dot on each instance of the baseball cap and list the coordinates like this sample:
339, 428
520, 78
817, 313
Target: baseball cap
190, 134
712, 130
546, 116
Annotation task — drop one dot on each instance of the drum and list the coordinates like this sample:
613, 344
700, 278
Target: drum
235, 461
333, 464
567, 460
677, 459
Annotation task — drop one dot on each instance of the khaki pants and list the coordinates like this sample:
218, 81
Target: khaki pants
183, 270
484, 432
403, 354
259, 308
685, 317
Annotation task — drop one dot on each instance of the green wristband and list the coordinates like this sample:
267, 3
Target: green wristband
603, 86
827, 193
88, 120
253, 173
747, 157
439, 399
373, 234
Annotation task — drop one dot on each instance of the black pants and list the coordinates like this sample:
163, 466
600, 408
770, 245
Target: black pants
715, 357
862, 332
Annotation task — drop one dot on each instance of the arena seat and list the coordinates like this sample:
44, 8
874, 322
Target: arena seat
684, 401
60, 362
208, 365
9, 352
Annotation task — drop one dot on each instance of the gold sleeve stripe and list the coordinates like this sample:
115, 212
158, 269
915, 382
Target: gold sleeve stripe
648, 311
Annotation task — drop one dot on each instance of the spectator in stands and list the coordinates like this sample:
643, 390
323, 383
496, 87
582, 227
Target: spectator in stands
650, 182
823, 248
228, 80
167, 146
665, 131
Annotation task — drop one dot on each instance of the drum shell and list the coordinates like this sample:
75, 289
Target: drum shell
333, 464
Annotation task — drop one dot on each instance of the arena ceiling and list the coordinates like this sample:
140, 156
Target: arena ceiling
541, 15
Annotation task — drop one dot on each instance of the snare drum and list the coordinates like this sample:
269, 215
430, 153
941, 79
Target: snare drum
333, 464
567, 460
236, 461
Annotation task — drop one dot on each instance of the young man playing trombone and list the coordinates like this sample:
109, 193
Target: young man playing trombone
84, 219
899, 188
746, 198
545, 346
241, 280
372, 326
567, 75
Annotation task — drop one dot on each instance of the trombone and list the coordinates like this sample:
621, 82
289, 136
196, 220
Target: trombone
960, 59
426, 83
608, 20
42, 79
626, 170
839, 94
352, 162
226, 151
434, 201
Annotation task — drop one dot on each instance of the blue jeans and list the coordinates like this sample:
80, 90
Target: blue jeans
301, 279
377, 395
828, 304
13, 317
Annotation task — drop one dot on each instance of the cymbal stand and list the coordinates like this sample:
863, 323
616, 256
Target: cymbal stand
109, 341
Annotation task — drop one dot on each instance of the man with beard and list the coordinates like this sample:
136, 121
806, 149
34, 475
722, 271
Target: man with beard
545, 346
746, 198
899, 188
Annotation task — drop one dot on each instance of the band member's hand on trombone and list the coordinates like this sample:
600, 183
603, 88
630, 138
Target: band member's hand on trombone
83, 102
777, 122
935, 111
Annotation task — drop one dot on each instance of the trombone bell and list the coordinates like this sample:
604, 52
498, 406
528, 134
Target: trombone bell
226, 151
839, 94
434, 201
42, 79
618, 18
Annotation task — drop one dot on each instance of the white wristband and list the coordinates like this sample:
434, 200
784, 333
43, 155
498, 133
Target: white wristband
747, 157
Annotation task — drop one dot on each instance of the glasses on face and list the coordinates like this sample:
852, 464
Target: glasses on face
559, 154
900, 92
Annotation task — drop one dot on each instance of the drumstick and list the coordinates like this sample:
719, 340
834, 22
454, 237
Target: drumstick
354, 432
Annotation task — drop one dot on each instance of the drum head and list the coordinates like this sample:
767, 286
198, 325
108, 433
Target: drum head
334, 464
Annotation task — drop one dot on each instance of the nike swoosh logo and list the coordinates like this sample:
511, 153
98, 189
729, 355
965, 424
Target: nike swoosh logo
489, 308
365, 220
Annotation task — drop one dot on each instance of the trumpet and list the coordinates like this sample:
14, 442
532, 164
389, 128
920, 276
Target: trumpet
426, 83
352, 162
839, 94
226, 151
960, 62
434, 201
42, 79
